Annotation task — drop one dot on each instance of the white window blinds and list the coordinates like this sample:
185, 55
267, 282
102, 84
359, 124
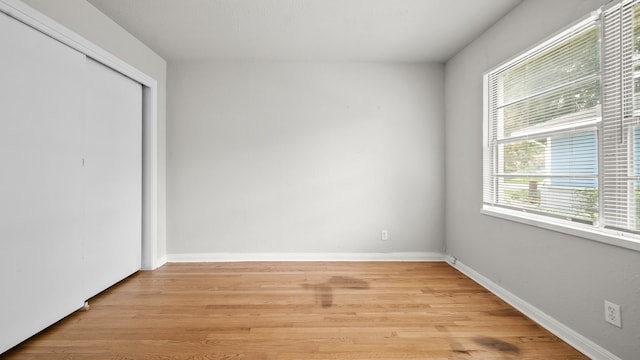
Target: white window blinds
620, 131
544, 113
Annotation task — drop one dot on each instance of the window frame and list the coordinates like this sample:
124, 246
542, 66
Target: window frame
595, 232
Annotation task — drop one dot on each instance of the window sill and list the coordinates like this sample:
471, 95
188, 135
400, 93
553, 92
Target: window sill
610, 237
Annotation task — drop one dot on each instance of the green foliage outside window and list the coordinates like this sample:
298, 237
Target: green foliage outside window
525, 157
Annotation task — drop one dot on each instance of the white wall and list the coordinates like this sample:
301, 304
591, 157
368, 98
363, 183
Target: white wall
87, 21
305, 157
566, 277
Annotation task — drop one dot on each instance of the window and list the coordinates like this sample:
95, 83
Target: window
620, 130
562, 127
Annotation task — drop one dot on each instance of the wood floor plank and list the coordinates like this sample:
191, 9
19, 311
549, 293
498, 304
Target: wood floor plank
288, 310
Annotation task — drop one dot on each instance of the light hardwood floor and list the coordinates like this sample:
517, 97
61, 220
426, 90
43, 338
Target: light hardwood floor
296, 311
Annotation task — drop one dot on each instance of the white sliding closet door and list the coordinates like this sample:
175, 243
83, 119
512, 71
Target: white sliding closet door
40, 181
113, 166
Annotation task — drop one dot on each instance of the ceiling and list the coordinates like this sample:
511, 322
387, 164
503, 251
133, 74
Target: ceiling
306, 30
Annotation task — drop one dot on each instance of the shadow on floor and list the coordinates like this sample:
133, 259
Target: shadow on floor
323, 292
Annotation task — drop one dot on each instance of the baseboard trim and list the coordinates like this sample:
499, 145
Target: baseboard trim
155, 264
578, 341
252, 257
161, 261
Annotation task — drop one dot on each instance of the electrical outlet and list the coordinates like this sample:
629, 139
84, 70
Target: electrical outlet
384, 235
612, 313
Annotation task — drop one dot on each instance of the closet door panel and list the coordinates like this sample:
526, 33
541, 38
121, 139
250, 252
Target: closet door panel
41, 97
113, 166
